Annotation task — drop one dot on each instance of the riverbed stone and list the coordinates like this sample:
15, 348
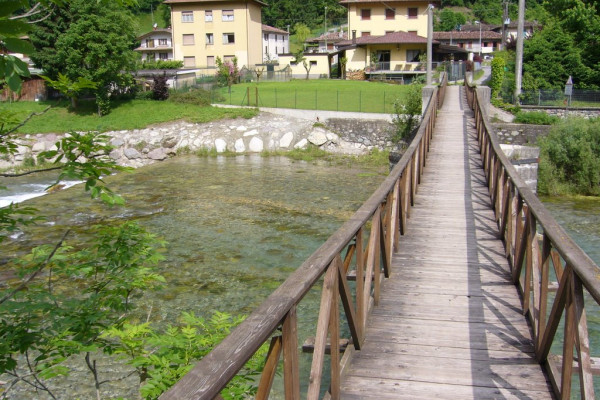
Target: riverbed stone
240, 147
301, 144
220, 145
157, 154
256, 145
253, 132
286, 140
317, 137
131, 153
169, 141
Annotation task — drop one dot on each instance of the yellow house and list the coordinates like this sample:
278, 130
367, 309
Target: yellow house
387, 37
204, 30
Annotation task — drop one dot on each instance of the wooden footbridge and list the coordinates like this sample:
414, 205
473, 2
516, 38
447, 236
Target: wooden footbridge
453, 280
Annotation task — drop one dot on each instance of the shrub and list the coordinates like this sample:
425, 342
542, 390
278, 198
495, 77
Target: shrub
407, 113
535, 118
498, 65
198, 97
570, 158
160, 89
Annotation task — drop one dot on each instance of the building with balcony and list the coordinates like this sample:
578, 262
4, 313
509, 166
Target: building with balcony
386, 37
156, 45
204, 30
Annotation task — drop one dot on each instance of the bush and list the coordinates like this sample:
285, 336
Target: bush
160, 88
147, 95
570, 158
535, 118
407, 113
161, 64
498, 65
198, 97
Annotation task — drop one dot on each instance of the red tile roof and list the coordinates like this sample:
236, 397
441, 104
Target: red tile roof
390, 1
471, 35
207, 1
267, 28
330, 37
391, 38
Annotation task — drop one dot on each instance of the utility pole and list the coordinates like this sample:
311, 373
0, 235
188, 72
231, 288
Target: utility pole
325, 34
429, 43
519, 60
505, 22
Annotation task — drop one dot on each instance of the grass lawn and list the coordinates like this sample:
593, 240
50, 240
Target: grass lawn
132, 114
318, 94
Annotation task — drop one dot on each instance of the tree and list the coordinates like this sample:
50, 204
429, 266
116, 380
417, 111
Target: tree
227, 72
551, 56
70, 88
302, 33
87, 39
449, 20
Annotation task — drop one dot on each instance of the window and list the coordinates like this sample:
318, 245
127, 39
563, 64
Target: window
413, 12
228, 59
162, 42
188, 39
365, 14
413, 55
313, 62
210, 38
187, 16
390, 13
266, 36
228, 38
227, 15
413, 32
365, 34
163, 56
189, 61
208, 16
210, 61
149, 43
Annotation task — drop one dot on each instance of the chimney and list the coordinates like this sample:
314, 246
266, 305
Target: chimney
354, 37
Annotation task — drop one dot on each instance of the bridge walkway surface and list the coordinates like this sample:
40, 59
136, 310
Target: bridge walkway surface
449, 324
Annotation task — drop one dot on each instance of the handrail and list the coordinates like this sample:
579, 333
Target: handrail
520, 215
369, 250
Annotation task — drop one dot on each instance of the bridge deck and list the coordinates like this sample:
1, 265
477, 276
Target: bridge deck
449, 324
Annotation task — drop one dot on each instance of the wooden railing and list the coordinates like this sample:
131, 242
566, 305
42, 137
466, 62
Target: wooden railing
366, 243
520, 216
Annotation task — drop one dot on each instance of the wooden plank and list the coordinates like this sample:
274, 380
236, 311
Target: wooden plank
449, 323
291, 374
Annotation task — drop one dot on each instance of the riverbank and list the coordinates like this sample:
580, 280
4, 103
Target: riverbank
264, 132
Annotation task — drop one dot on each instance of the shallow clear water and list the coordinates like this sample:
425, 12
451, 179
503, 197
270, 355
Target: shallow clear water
236, 227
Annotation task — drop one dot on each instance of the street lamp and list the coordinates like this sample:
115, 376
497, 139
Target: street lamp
479, 23
325, 29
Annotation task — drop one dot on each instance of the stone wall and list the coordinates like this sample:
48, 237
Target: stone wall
563, 112
366, 132
520, 134
265, 132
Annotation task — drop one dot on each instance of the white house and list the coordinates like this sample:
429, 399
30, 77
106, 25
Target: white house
156, 45
275, 42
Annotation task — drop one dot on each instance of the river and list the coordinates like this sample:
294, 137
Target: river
236, 228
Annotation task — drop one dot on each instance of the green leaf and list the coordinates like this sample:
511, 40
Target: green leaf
7, 7
13, 27
14, 82
20, 67
17, 45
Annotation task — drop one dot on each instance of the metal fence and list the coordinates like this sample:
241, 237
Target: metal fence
310, 99
555, 97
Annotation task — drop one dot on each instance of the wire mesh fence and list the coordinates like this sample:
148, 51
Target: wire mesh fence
309, 99
579, 98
